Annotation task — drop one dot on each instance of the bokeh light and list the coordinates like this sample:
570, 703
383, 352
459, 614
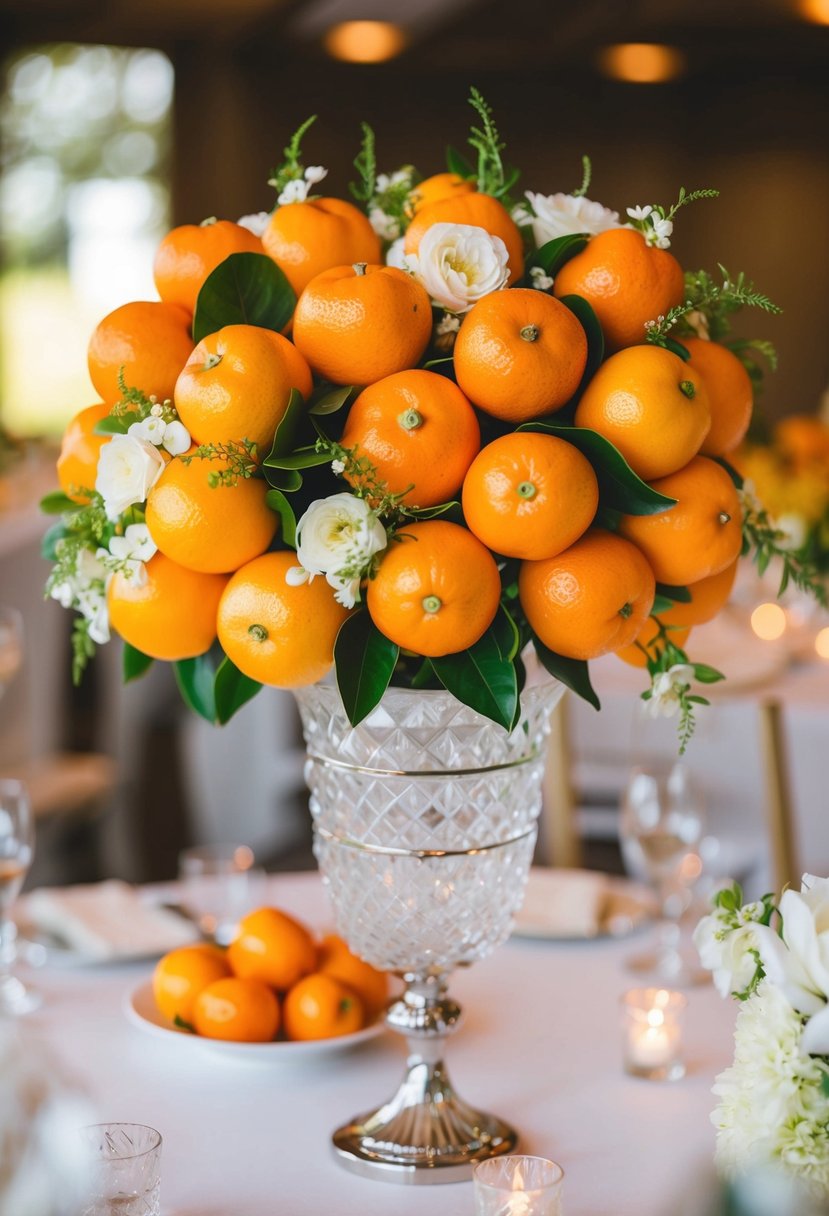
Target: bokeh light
769, 622
642, 62
365, 41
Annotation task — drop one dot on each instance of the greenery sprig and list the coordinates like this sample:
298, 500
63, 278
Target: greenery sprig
135, 401
365, 481
291, 169
88, 528
587, 173
492, 175
716, 302
662, 657
239, 456
684, 198
764, 542
365, 162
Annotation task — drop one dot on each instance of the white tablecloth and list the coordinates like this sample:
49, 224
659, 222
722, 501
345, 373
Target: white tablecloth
540, 1045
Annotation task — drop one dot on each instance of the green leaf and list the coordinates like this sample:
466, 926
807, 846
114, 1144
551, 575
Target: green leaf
456, 162
286, 480
505, 632
677, 348
48, 546
679, 595
231, 690
482, 678
182, 1025
328, 399
621, 489
583, 311
552, 256
364, 659
438, 362
736, 477
277, 501
302, 458
195, 683
661, 604
116, 424
244, 289
453, 510
573, 673
134, 663
706, 674
57, 503
284, 436
824, 1084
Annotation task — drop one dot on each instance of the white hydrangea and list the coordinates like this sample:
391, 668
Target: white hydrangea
555, 215
459, 264
337, 536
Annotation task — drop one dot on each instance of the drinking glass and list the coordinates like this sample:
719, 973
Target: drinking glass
124, 1162
660, 826
220, 884
11, 645
17, 842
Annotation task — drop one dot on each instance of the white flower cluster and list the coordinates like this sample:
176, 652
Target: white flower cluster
458, 264
297, 191
256, 222
337, 536
385, 225
667, 689
130, 465
727, 945
555, 215
85, 588
653, 226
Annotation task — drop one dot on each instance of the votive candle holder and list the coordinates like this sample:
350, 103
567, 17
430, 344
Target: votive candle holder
518, 1186
652, 1033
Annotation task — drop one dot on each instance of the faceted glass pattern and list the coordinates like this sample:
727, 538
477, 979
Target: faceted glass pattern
124, 1167
425, 821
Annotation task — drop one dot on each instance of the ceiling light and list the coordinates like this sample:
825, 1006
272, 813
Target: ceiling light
364, 41
814, 10
642, 62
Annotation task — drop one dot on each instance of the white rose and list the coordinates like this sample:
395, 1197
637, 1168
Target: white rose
337, 537
555, 215
460, 263
128, 468
395, 255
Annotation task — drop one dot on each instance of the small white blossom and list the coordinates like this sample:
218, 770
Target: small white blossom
150, 429
315, 174
555, 215
639, 213
338, 536
449, 323
131, 551
541, 281
792, 531
346, 590
157, 409
396, 257
749, 501
384, 181
660, 232
338, 466
665, 700
128, 468
458, 264
725, 941
295, 576
295, 191
386, 226
176, 439
256, 222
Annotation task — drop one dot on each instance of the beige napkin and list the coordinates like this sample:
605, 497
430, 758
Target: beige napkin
106, 920
564, 903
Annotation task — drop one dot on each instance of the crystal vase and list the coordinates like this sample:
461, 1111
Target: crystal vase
425, 820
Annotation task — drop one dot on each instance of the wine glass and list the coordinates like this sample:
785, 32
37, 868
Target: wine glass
660, 826
17, 841
11, 645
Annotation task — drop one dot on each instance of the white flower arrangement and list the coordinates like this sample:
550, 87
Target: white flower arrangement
338, 536
774, 1098
555, 215
459, 264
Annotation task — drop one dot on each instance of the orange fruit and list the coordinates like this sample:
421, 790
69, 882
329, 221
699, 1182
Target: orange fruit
150, 340
652, 405
529, 496
730, 395
79, 451
214, 530
698, 537
419, 431
182, 974
803, 440
437, 188
479, 210
172, 615
320, 1007
634, 654
708, 596
236, 385
306, 238
188, 254
626, 281
436, 591
370, 985
275, 633
272, 947
520, 354
357, 324
592, 598
240, 1011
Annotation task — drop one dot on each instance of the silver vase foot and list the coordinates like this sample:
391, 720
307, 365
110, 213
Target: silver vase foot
425, 1133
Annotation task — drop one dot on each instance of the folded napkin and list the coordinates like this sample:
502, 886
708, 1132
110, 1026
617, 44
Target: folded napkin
106, 920
565, 903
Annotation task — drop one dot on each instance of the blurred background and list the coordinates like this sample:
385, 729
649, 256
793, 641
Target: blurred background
120, 119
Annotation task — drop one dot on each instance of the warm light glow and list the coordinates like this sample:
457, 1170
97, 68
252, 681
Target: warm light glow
769, 622
642, 62
815, 10
822, 643
365, 41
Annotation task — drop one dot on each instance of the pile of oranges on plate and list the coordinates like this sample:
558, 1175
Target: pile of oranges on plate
275, 980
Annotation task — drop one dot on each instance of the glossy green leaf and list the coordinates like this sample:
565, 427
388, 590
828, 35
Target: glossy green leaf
706, 674
483, 679
134, 663
584, 313
284, 438
621, 489
364, 659
244, 289
736, 477
661, 604
286, 480
277, 501
116, 424
505, 632
331, 398
679, 595
195, 679
554, 254
231, 690
302, 458
572, 672
57, 503
677, 348
48, 546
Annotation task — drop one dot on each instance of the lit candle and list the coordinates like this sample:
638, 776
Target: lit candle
652, 1033
518, 1186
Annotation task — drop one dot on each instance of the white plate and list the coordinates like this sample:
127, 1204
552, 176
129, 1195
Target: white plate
625, 907
140, 1008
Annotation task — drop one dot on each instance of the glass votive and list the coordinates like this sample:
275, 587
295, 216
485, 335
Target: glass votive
220, 884
652, 1033
518, 1186
124, 1170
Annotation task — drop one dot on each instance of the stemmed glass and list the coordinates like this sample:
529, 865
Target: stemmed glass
11, 645
660, 826
17, 842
